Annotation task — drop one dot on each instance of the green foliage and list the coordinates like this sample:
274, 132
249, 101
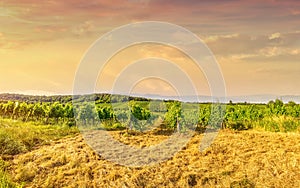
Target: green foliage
173, 115
140, 117
278, 124
123, 117
216, 115
204, 114
87, 113
274, 116
105, 112
117, 126
190, 119
138, 113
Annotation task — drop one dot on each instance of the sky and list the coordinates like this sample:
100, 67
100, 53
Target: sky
256, 43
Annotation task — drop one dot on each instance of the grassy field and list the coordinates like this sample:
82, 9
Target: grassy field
35, 155
18, 138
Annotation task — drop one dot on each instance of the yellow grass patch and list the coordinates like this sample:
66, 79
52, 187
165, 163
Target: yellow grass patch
235, 159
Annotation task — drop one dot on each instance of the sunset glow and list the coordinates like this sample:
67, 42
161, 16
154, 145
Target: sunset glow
256, 43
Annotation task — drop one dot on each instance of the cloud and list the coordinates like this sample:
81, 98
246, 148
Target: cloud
271, 51
79, 17
274, 36
33, 92
51, 29
228, 12
154, 86
213, 38
295, 52
242, 34
8, 44
84, 28
241, 46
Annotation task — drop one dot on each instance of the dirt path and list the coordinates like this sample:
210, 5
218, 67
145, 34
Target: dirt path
237, 159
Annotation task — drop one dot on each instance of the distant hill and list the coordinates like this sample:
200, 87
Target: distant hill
248, 98
101, 97
34, 98
104, 97
234, 99
265, 98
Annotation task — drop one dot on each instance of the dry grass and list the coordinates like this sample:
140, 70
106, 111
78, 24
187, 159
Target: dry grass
235, 159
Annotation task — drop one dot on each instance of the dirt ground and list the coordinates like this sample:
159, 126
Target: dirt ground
235, 159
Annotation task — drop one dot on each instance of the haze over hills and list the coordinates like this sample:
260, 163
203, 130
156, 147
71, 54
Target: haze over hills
264, 98
234, 99
202, 98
